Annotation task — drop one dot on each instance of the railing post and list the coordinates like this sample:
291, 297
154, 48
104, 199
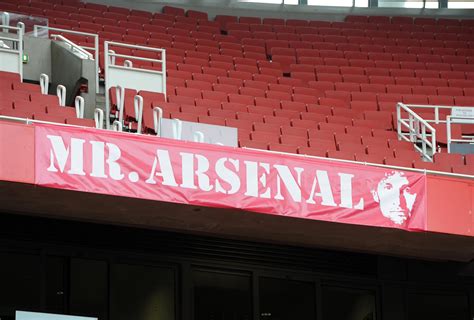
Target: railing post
157, 116
107, 98
138, 106
423, 140
61, 93
79, 104
448, 132
399, 121
44, 83
5, 20
99, 118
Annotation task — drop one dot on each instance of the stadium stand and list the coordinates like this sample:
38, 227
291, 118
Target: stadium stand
133, 225
277, 68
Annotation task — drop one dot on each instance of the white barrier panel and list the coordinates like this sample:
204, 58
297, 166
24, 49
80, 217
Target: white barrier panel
199, 132
11, 50
24, 315
130, 77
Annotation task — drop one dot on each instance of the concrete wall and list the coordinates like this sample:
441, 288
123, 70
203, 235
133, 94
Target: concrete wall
68, 69
39, 53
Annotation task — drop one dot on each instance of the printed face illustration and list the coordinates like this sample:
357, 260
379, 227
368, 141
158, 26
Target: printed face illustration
394, 197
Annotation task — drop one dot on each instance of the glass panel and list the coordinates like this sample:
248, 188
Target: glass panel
142, 293
348, 304
29, 21
362, 3
332, 3
432, 4
263, 1
272, 1
282, 299
88, 288
433, 306
222, 296
20, 284
459, 4
401, 4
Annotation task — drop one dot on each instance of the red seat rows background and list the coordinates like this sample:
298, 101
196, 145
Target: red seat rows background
311, 87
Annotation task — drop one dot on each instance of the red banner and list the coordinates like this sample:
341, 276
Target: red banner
152, 168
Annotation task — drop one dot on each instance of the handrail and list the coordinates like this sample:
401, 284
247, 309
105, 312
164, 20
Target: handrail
99, 118
32, 121
110, 64
85, 54
157, 116
417, 131
5, 20
117, 126
61, 93
424, 171
120, 96
95, 48
138, 106
18, 48
79, 105
44, 83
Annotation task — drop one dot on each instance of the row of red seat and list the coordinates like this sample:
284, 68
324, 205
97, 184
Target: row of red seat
343, 99
385, 21
287, 61
302, 74
382, 31
25, 100
292, 85
403, 51
346, 28
410, 20
314, 49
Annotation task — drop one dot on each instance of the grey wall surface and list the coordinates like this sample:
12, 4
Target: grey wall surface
39, 53
67, 69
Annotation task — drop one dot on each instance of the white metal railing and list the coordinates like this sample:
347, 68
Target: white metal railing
95, 49
130, 77
79, 105
12, 57
413, 128
466, 139
76, 49
157, 116
99, 118
32, 121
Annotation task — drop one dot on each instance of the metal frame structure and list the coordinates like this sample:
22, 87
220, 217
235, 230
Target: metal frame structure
415, 129
95, 49
458, 120
127, 76
16, 50
415, 122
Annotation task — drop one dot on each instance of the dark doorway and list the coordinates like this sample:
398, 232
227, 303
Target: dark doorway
142, 292
282, 299
20, 283
348, 304
437, 306
222, 295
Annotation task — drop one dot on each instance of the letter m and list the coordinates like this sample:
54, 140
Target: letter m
60, 153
